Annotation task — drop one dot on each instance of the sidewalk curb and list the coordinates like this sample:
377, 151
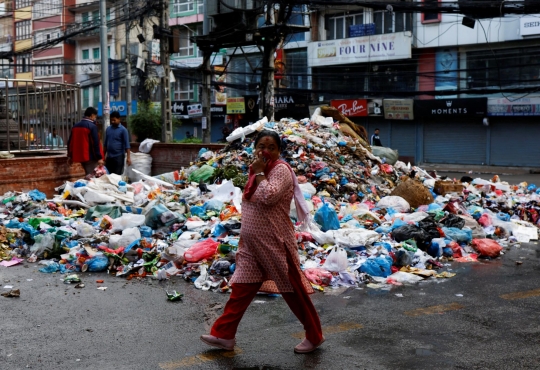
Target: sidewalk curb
496, 170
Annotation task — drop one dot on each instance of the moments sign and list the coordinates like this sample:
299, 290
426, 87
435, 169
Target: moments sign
359, 49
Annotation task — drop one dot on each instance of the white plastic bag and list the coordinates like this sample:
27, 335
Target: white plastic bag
355, 237
128, 236
85, 230
43, 242
336, 260
395, 202
146, 145
127, 221
141, 162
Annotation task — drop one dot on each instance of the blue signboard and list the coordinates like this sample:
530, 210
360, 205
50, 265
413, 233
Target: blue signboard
114, 77
120, 107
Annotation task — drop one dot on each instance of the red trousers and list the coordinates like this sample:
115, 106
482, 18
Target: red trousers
242, 294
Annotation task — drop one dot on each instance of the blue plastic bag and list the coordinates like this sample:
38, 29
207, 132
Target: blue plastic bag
387, 246
327, 218
380, 266
383, 229
459, 235
37, 195
434, 207
97, 263
53, 267
218, 230
503, 216
13, 224
475, 211
198, 211
213, 205
202, 151
398, 223
29, 229
146, 231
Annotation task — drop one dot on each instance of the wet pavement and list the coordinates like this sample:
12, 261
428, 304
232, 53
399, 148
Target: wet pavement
486, 317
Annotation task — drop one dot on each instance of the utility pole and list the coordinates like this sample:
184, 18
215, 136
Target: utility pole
166, 128
206, 83
104, 66
128, 61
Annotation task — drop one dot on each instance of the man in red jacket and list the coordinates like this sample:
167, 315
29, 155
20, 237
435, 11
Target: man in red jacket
83, 144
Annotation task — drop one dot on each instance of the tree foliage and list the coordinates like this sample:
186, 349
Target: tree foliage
146, 123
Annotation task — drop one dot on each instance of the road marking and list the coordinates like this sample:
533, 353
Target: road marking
520, 295
333, 329
199, 359
434, 309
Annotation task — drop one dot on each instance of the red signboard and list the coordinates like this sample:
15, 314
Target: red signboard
351, 107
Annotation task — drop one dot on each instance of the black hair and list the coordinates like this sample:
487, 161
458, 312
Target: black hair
377, 129
115, 115
89, 111
270, 133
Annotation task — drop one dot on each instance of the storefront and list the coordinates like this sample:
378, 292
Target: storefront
453, 130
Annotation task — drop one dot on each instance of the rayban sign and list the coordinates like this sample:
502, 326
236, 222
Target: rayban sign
351, 107
359, 49
474, 107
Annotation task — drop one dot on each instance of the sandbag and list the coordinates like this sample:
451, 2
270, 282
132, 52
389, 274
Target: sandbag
395, 202
414, 192
389, 155
141, 162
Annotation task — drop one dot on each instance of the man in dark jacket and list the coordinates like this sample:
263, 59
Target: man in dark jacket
375, 138
83, 144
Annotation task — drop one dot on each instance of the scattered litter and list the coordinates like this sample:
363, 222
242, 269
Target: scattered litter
102, 288
12, 293
459, 295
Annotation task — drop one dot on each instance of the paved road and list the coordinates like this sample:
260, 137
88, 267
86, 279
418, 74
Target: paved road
486, 317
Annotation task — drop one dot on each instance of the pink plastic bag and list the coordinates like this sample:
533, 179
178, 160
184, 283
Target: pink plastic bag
487, 247
205, 249
318, 276
485, 220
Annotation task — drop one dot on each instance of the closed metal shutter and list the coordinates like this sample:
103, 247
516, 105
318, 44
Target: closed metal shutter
404, 139
455, 142
515, 143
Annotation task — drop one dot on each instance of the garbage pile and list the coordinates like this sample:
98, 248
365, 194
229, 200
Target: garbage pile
375, 220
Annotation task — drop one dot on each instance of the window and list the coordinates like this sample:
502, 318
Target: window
48, 67
108, 51
95, 91
22, 3
23, 30
297, 69
95, 53
200, 6
183, 6
85, 97
431, 17
390, 22
183, 89
507, 68
338, 27
46, 36
297, 18
47, 8
24, 62
85, 54
186, 46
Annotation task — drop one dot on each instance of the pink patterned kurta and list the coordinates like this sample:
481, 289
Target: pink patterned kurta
267, 234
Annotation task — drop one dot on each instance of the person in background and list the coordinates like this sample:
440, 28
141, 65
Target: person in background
188, 135
117, 146
267, 258
53, 140
375, 139
83, 143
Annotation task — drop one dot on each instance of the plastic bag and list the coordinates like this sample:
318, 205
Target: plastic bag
453, 221
37, 195
404, 258
43, 242
336, 260
141, 162
380, 266
395, 202
422, 238
318, 276
128, 236
97, 263
84, 230
477, 230
202, 174
202, 250
460, 236
487, 247
485, 220
146, 145
126, 221
93, 197
389, 155
327, 218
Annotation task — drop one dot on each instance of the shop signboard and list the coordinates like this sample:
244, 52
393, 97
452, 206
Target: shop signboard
518, 107
364, 49
236, 106
291, 106
439, 108
398, 109
351, 107
529, 26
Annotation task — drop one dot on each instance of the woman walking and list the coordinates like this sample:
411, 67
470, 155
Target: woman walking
267, 258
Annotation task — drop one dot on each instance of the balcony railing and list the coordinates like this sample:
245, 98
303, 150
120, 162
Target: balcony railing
90, 67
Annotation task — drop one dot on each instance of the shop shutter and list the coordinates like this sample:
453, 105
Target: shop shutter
515, 143
455, 142
404, 139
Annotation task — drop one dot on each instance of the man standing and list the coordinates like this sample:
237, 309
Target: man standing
83, 143
116, 146
53, 140
375, 139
